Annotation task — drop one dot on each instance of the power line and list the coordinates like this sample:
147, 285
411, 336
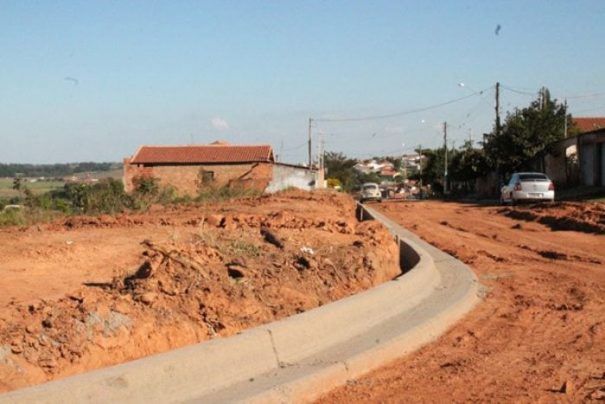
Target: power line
470, 115
296, 147
533, 94
590, 109
570, 97
513, 90
411, 111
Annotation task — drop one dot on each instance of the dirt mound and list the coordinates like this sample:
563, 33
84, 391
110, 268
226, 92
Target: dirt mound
583, 217
200, 272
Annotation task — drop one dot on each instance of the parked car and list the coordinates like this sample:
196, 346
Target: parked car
535, 187
370, 191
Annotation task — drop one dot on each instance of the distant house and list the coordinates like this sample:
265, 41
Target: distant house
411, 161
190, 168
578, 160
589, 124
389, 172
371, 166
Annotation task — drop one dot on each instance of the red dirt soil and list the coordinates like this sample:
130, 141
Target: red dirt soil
88, 292
539, 333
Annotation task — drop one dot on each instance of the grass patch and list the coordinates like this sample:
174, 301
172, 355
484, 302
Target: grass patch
26, 216
37, 188
244, 248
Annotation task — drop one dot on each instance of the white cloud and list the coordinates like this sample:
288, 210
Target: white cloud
220, 123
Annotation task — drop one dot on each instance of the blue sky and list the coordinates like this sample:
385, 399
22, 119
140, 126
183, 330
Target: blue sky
93, 80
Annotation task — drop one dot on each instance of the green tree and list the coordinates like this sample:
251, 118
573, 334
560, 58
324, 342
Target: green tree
396, 161
466, 165
340, 167
526, 134
433, 168
17, 184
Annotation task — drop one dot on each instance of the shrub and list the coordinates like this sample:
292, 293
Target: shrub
146, 185
244, 248
106, 196
12, 217
147, 191
212, 194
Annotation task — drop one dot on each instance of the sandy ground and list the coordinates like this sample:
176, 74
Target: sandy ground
539, 335
88, 292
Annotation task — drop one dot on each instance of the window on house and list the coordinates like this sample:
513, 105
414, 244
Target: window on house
207, 176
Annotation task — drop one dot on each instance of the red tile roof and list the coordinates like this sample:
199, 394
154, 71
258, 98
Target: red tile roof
589, 124
214, 153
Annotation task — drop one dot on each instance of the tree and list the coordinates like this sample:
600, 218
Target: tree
18, 184
340, 167
433, 168
396, 161
526, 134
467, 165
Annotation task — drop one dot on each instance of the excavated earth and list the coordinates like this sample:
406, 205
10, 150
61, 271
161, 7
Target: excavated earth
538, 335
88, 292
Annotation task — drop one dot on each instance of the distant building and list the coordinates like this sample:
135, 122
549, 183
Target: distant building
190, 168
411, 161
577, 160
372, 166
589, 124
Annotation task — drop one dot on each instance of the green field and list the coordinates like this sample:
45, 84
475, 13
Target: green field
115, 174
40, 187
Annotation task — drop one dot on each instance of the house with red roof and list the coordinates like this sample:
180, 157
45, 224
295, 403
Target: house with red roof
190, 168
589, 124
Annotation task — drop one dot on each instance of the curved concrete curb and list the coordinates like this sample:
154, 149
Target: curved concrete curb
298, 358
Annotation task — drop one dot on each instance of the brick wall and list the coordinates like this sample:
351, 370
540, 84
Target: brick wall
184, 178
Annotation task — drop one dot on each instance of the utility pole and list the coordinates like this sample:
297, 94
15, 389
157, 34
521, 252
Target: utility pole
319, 153
403, 163
420, 166
497, 108
445, 149
322, 164
310, 162
565, 128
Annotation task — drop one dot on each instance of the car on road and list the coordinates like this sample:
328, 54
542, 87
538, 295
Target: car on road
370, 191
529, 187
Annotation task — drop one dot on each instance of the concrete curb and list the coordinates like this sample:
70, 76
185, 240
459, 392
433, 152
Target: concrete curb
298, 358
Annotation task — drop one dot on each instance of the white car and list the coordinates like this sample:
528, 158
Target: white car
370, 191
536, 187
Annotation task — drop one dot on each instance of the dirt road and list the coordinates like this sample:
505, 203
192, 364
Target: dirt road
539, 334
88, 292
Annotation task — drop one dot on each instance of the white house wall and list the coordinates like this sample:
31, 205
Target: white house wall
289, 176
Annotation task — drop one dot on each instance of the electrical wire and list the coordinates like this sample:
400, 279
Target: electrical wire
513, 90
568, 97
594, 95
296, 147
590, 109
470, 116
411, 111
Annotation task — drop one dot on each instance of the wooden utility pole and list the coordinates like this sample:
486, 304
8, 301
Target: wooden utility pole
420, 166
497, 108
565, 128
445, 149
310, 162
